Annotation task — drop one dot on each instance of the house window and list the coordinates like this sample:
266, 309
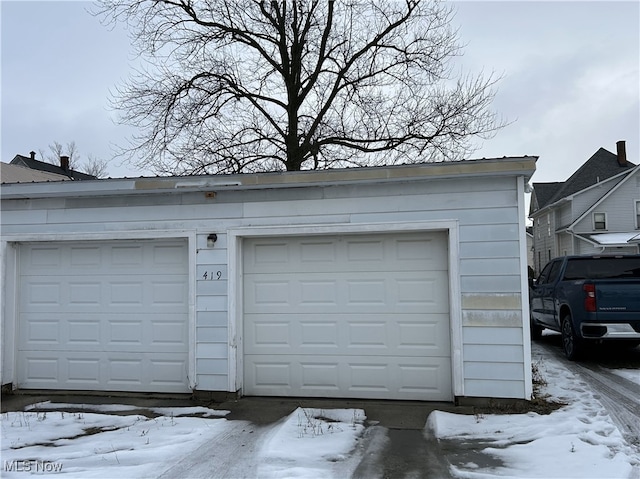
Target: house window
638, 214
599, 221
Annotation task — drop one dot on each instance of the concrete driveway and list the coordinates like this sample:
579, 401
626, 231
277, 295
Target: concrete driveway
393, 444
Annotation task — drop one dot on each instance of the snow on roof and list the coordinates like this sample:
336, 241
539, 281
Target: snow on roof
611, 239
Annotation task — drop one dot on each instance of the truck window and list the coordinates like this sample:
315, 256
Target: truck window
602, 268
542, 279
555, 271
549, 273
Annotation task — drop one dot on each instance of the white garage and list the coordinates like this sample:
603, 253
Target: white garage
106, 316
396, 282
347, 316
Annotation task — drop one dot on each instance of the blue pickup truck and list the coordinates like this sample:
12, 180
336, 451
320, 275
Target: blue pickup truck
588, 299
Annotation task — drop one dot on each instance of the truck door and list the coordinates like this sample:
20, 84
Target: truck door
542, 294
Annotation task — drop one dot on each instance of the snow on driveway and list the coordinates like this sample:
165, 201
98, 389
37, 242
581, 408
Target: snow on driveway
309, 443
632, 375
578, 440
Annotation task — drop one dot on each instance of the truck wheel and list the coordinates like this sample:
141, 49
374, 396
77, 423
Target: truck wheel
536, 330
573, 345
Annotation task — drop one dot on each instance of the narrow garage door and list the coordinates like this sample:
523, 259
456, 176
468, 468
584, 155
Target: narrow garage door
103, 316
354, 316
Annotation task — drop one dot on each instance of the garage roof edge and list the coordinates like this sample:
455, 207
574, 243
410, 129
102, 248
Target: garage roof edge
507, 166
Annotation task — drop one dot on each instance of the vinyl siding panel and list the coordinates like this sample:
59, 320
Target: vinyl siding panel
483, 353
564, 214
583, 200
493, 388
212, 318
565, 244
619, 207
492, 365
467, 216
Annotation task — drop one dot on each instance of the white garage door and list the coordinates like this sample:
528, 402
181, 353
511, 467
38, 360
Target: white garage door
355, 316
103, 316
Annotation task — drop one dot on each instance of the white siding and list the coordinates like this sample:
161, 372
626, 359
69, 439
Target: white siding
565, 244
584, 200
619, 207
565, 214
544, 239
485, 209
212, 323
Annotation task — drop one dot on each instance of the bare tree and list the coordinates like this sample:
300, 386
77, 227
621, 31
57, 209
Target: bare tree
250, 85
95, 166
56, 150
92, 166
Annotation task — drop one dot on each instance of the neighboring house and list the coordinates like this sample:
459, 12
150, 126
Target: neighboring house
20, 174
530, 255
403, 282
63, 169
597, 210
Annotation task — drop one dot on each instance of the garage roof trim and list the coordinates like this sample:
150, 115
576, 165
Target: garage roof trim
521, 165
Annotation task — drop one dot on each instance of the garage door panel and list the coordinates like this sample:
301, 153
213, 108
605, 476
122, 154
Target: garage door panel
391, 292
352, 334
78, 332
351, 316
105, 258
83, 372
41, 369
105, 316
69, 294
411, 252
104, 371
369, 377
83, 333
429, 337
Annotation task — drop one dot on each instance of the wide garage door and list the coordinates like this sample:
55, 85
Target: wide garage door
354, 316
106, 316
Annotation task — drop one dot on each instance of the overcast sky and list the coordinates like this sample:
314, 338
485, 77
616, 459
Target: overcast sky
571, 78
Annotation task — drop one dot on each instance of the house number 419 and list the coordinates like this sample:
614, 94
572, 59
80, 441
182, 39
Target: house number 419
210, 275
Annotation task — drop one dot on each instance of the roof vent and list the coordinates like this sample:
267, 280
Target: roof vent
32, 154
622, 153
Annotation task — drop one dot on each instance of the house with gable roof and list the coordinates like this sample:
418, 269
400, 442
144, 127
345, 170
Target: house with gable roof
64, 170
597, 210
21, 174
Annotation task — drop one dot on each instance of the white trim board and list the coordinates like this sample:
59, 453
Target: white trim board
235, 299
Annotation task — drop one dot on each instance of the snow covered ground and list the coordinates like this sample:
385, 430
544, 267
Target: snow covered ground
578, 440
632, 375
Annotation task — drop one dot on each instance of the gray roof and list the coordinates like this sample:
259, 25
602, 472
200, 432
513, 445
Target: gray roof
42, 166
601, 166
542, 194
523, 166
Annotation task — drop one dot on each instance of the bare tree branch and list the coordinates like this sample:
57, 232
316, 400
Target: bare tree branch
259, 85
92, 166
